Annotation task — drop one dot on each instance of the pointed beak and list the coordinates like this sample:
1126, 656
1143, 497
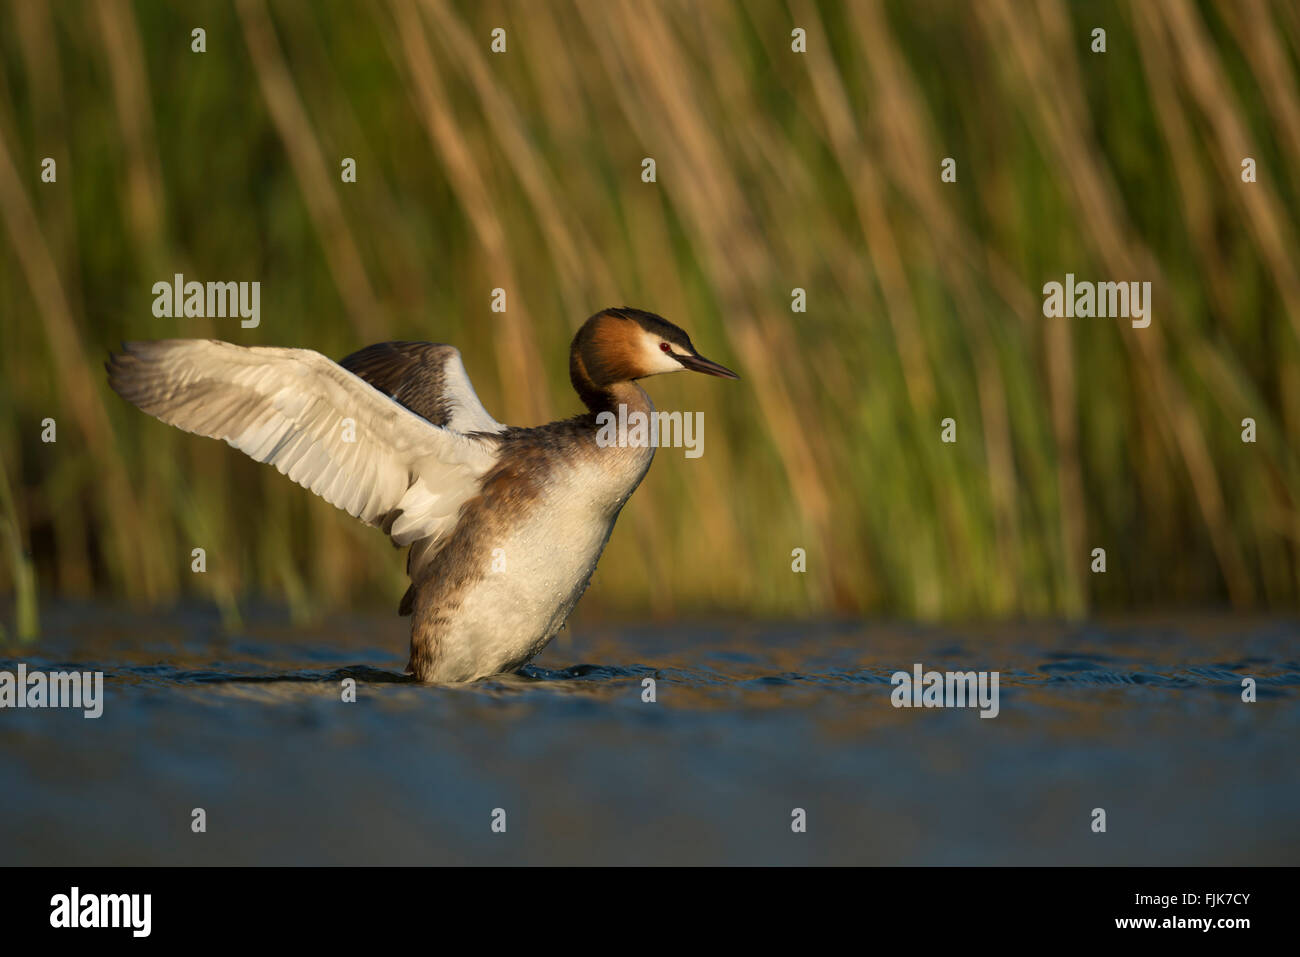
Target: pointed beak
697, 363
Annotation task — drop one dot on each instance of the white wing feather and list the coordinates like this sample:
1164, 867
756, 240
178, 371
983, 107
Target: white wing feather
289, 408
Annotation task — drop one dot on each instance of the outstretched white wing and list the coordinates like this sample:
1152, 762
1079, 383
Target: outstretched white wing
316, 422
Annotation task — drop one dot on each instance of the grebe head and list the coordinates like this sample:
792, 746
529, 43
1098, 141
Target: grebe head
617, 345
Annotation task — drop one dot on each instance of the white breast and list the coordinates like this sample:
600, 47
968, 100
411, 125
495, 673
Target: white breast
534, 576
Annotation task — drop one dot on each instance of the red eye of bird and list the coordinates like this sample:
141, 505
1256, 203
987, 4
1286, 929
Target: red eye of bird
665, 347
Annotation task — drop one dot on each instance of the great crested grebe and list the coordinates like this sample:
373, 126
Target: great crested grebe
505, 524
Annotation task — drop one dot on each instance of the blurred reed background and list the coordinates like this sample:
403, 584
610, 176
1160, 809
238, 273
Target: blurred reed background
775, 170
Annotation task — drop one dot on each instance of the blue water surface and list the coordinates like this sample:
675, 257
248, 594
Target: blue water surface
751, 721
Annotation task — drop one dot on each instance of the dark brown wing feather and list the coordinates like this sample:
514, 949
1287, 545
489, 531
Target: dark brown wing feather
410, 372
